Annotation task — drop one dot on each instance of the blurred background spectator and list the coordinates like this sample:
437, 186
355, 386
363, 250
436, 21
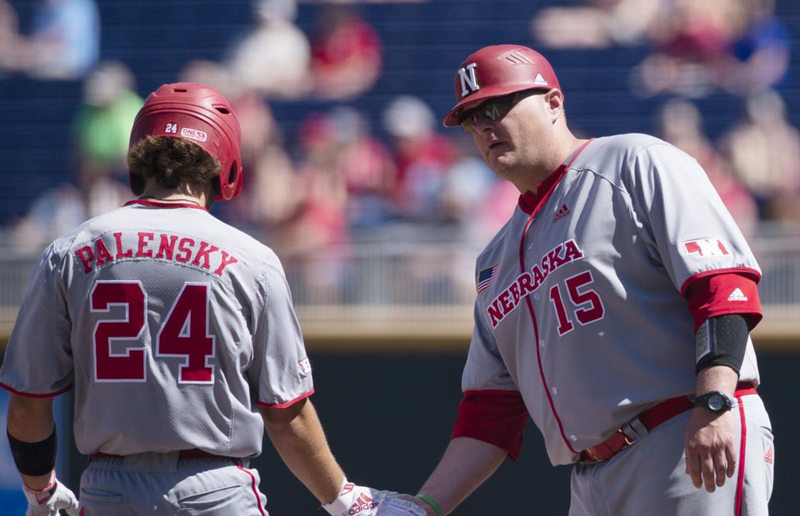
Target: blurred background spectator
689, 46
212, 73
272, 197
759, 53
764, 152
9, 33
315, 238
473, 200
346, 53
365, 165
597, 23
102, 130
274, 57
740, 46
63, 42
681, 123
103, 127
422, 157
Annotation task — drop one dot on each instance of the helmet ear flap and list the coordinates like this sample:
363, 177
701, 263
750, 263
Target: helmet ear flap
230, 184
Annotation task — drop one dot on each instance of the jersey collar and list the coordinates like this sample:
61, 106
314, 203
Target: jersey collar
150, 203
530, 202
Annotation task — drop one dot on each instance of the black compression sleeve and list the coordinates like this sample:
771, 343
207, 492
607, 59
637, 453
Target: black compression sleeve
34, 459
722, 341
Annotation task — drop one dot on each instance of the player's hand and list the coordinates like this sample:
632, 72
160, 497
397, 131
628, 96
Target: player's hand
50, 500
406, 505
361, 501
710, 448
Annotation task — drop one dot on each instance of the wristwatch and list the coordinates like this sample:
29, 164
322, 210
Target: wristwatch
714, 401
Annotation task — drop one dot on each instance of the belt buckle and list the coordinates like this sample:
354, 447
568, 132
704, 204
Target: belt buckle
628, 441
592, 457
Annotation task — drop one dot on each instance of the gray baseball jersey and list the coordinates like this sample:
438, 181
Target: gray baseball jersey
580, 305
170, 325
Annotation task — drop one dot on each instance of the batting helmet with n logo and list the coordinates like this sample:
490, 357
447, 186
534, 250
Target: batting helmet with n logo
499, 70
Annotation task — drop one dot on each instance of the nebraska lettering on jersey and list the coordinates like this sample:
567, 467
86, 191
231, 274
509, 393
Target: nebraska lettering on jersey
156, 246
528, 282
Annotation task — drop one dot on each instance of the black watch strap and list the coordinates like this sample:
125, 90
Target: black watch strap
714, 401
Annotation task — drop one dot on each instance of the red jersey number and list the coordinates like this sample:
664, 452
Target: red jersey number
588, 305
184, 333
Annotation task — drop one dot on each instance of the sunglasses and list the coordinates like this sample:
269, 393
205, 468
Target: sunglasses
494, 109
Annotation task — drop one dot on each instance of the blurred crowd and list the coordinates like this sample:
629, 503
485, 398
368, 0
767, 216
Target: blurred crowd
337, 178
695, 46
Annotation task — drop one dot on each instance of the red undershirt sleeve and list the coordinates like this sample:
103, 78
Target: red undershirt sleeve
723, 294
496, 417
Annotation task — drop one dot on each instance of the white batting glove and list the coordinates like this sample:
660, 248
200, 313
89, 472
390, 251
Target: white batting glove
356, 500
51, 499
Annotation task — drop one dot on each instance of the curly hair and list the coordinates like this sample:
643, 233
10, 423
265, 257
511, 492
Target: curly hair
171, 162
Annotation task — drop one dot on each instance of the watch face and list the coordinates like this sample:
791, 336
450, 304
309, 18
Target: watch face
716, 402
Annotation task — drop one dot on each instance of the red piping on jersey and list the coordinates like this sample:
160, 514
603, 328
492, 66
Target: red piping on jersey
742, 451
255, 488
550, 185
160, 204
29, 395
286, 403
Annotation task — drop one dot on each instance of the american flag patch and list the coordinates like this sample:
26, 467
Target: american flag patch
486, 277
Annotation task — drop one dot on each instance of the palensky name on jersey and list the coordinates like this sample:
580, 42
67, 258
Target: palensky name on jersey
527, 282
161, 246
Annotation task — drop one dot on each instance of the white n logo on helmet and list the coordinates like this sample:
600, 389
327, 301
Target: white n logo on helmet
469, 81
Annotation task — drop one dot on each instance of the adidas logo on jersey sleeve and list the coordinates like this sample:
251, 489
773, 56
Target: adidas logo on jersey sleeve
737, 295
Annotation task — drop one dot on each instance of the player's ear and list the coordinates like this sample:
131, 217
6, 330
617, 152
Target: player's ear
554, 99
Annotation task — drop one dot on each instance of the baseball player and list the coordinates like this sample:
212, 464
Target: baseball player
613, 309
178, 336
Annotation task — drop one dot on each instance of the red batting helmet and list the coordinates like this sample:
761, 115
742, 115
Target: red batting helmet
498, 70
201, 115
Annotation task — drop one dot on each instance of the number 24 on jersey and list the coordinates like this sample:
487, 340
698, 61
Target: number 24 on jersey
184, 333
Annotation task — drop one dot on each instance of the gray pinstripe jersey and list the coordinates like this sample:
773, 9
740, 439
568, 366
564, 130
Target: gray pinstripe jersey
169, 324
592, 327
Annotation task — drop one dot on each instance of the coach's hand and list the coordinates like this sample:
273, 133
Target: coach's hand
403, 505
710, 448
53, 498
406, 505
